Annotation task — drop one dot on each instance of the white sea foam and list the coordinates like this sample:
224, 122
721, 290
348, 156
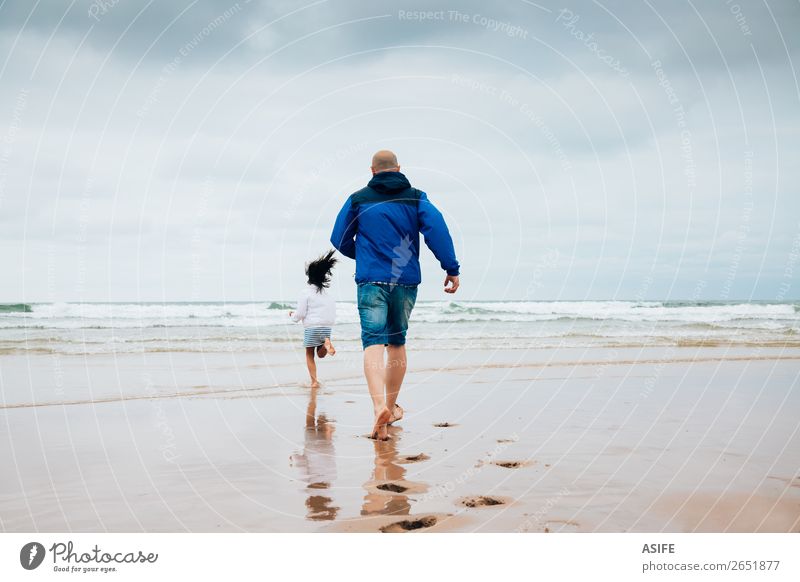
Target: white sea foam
123, 327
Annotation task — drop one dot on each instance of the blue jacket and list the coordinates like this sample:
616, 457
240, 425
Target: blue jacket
379, 227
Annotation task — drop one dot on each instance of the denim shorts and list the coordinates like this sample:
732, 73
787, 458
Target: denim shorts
384, 309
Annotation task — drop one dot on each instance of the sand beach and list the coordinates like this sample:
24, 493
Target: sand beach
579, 439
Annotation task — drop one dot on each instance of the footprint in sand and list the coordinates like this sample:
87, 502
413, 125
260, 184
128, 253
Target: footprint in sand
393, 487
481, 501
444, 424
791, 482
409, 525
510, 464
413, 458
561, 525
400, 487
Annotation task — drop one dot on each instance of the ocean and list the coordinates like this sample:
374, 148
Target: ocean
96, 328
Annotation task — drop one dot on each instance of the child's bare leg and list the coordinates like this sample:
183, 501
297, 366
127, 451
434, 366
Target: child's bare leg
322, 351
329, 346
312, 367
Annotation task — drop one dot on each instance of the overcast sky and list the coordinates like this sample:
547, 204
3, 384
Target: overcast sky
579, 150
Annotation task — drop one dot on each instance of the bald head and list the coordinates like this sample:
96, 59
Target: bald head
384, 160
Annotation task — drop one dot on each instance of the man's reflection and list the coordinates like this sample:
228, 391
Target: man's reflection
386, 486
318, 462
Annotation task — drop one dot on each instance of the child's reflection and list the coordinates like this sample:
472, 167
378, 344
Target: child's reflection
384, 493
318, 462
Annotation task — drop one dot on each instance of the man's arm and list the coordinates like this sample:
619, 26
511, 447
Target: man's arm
437, 236
345, 229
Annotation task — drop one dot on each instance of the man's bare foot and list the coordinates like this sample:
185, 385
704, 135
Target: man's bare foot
314, 384
397, 413
321, 351
379, 430
329, 346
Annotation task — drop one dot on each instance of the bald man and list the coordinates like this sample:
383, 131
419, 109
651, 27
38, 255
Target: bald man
379, 227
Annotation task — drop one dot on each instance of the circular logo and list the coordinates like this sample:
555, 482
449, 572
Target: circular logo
31, 555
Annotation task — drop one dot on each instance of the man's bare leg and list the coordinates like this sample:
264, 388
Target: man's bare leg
312, 367
395, 372
374, 368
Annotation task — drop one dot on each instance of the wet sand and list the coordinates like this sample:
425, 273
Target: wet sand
550, 440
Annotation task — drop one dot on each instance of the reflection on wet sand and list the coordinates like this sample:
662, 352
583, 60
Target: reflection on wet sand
387, 486
318, 462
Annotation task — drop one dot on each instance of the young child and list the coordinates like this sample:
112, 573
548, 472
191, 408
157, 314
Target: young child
317, 310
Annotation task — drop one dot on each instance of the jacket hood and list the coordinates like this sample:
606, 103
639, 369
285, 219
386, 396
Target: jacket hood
389, 182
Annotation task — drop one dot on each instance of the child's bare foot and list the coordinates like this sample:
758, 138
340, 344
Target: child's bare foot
329, 346
397, 414
322, 351
314, 384
379, 430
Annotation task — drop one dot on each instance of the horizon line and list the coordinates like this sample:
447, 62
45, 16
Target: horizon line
452, 299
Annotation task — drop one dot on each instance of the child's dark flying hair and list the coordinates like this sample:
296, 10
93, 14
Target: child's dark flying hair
319, 271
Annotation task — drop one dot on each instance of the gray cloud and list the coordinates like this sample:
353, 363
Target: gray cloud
205, 147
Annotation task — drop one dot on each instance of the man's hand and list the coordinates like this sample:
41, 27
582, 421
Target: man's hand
453, 280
